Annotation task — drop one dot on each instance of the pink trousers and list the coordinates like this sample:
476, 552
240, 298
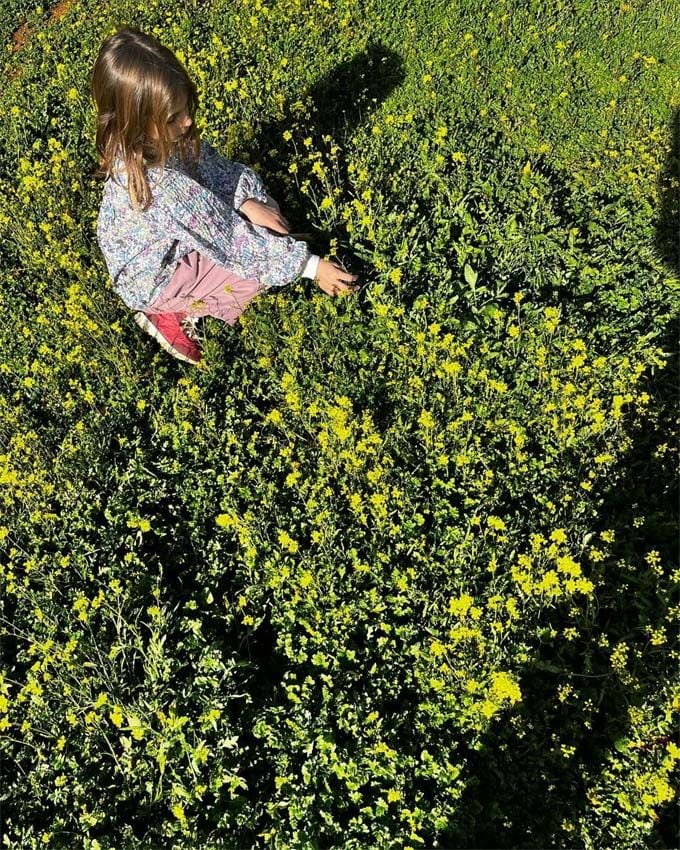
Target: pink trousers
199, 287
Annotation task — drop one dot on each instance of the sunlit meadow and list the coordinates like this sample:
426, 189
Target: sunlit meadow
395, 570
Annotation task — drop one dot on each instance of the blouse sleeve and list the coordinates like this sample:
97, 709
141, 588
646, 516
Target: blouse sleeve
195, 215
232, 181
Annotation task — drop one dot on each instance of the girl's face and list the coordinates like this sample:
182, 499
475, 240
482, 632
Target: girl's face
180, 120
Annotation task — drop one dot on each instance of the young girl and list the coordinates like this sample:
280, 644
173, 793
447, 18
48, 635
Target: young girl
184, 231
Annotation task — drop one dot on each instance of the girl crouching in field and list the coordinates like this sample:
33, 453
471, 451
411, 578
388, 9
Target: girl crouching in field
184, 231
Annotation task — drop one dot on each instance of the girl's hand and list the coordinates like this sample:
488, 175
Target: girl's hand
266, 215
333, 279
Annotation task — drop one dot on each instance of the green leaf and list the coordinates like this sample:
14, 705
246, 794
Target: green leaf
470, 274
622, 745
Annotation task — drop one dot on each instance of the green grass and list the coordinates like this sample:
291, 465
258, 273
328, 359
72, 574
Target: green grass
396, 570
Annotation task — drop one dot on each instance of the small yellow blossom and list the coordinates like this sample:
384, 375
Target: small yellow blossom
461, 605
116, 716
426, 420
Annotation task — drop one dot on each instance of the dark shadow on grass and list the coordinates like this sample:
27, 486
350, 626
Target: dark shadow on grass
340, 102
520, 787
667, 241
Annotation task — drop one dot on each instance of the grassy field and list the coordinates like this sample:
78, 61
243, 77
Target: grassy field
390, 571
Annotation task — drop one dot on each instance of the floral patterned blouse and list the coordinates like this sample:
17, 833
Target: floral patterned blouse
141, 249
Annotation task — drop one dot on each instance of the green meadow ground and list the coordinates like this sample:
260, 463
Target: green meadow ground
387, 571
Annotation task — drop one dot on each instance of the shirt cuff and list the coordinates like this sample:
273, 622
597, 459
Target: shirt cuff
311, 267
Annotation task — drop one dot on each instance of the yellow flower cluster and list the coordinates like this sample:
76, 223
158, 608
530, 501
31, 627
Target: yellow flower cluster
535, 578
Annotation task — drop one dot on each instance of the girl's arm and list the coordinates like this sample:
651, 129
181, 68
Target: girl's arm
266, 215
237, 184
186, 210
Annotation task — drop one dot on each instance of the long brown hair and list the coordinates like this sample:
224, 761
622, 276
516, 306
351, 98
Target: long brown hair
136, 82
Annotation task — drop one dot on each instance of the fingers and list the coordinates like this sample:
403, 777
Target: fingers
342, 269
336, 287
336, 280
347, 284
342, 286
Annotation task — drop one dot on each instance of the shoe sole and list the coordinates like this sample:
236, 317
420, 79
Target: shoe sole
153, 331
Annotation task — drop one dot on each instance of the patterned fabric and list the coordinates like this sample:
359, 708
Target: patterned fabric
141, 249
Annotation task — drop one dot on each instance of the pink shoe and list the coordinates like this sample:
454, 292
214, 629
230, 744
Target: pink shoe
167, 329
